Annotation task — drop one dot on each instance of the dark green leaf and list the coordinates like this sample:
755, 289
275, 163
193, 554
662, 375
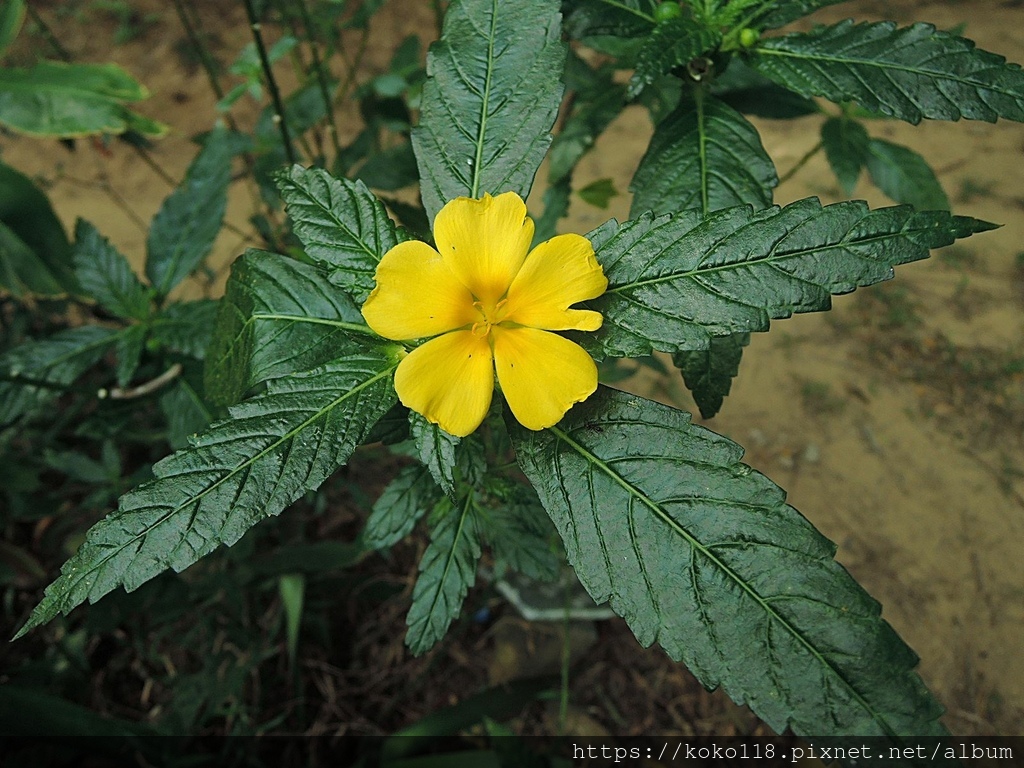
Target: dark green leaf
404, 501
271, 450
278, 316
596, 18
905, 176
186, 327
911, 73
597, 101
436, 449
491, 96
708, 373
26, 212
12, 16
37, 372
701, 554
105, 275
671, 44
846, 147
184, 228
186, 413
21, 271
598, 193
676, 281
704, 155
751, 93
447, 571
71, 100
556, 205
341, 225
520, 533
782, 12
128, 353
392, 169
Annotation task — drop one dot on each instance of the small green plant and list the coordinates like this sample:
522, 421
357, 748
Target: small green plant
371, 332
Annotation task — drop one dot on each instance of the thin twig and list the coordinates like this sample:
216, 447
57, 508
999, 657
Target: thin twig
146, 388
801, 163
321, 77
59, 49
268, 73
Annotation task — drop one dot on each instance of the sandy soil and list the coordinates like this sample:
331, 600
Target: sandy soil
895, 422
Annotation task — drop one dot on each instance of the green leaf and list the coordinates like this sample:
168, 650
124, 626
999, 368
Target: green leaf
292, 589
596, 18
341, 225
71, 100
128, 353
185, 227
676, 281
38, 258
598, 193
701, 554
704, 155
404, 501
186, 327
708, 373
596, 102
437, 450
490, 99
271, 450
391, 169
911, 73
556, 206
12, 16
846, 147
671, 44
782, 12
751, 93
37, 372
519, 531
278, 316
447, 571
105, 274
905, 176
185, 412
21, 271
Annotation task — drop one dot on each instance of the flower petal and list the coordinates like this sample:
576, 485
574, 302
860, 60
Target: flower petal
556, 274
541, 374
449, 381
417, 295
484, 242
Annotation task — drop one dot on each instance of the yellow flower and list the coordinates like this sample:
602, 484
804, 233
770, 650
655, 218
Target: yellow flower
486, 302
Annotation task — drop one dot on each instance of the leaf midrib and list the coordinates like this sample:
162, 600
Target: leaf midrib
485, 103
740, 582
291, 434
882, 65
760, 260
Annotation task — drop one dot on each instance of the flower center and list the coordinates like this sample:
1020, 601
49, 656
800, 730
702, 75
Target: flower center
490, 314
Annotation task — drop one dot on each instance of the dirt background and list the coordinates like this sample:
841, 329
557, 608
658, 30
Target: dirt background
896, 422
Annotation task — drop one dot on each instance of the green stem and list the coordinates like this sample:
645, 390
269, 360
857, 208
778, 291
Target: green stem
205, 58
634, 11
47, 33
268, 74
801, 163
321, 77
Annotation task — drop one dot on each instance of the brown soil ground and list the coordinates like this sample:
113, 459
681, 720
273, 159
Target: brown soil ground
896, 422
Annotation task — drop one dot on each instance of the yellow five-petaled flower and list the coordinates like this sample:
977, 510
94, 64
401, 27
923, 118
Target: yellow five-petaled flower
487, 302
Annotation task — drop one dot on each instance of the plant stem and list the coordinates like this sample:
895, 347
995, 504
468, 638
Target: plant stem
268, 73
321, 77
209, 65
44, 28
801, 163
